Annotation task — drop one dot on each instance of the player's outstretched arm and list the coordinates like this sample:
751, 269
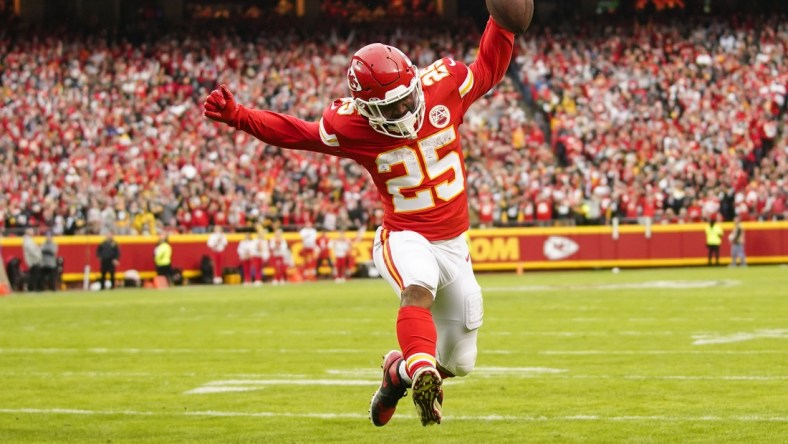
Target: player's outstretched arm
273, 128
492, 61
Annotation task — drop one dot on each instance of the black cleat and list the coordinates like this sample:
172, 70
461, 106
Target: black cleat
391, 390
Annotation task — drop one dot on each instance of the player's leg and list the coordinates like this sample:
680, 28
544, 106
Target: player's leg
217, 267
458, 309
405, 261
458, 316
251, 271
312, 267
274, 263
341, 269
278, 268
418, 337
244, 272
255, 269
260, 264
102, 275
307, 266
282, 270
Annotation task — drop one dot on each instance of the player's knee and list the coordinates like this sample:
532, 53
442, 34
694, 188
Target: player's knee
462, 359
463, 363
417, 296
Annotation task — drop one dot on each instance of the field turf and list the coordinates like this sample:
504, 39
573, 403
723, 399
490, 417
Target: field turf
696, 355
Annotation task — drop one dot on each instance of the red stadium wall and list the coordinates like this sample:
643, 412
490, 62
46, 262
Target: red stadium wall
496, 249
598, 247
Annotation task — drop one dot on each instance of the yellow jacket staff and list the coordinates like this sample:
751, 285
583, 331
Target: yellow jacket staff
162, 255
713, 234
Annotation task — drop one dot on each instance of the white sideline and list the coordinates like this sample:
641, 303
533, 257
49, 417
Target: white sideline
488, 418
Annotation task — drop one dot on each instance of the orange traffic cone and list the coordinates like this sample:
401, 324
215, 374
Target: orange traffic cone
160, 282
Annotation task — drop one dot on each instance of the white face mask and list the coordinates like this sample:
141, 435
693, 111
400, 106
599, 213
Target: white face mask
400, 114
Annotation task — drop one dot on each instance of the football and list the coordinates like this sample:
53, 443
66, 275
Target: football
512, 15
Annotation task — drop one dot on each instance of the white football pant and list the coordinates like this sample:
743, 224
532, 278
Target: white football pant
406, 258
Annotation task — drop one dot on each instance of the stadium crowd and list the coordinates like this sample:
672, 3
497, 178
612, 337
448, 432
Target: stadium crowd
669, 122
673, 122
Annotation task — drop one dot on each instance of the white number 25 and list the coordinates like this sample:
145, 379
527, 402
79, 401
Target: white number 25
415, 175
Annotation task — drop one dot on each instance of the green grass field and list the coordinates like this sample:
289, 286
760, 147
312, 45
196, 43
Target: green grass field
651, 356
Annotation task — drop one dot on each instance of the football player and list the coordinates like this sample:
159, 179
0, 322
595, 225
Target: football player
401, 124
308, 236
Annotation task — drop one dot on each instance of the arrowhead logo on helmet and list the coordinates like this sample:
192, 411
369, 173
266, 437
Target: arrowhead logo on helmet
352, 80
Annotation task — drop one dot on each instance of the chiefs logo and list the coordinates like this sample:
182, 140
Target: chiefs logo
556, 248
440, 116
352, 80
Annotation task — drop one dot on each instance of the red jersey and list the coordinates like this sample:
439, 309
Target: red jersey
421, 182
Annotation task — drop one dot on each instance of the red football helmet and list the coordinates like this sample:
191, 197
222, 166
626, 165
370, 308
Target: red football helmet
386, 88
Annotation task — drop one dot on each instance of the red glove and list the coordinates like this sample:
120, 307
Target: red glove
220, 105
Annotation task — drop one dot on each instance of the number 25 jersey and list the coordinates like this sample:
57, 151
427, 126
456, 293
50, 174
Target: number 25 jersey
421, 181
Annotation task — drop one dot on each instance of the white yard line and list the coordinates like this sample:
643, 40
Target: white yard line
480, 418
247, 385
657, 352
176, 351
579, 334
260, 379
683, 377
160, 351
664, 284
101, 350
719, 338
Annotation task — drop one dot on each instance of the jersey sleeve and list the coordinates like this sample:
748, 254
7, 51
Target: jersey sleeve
492, 61
342, 127
284, 131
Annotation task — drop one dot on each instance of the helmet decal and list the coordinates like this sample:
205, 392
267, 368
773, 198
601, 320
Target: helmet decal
352, 80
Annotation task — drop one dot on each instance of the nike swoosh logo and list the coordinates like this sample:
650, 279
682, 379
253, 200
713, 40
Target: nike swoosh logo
468, 257
452, 62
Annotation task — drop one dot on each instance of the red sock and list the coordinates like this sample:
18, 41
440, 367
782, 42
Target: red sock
417, 337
